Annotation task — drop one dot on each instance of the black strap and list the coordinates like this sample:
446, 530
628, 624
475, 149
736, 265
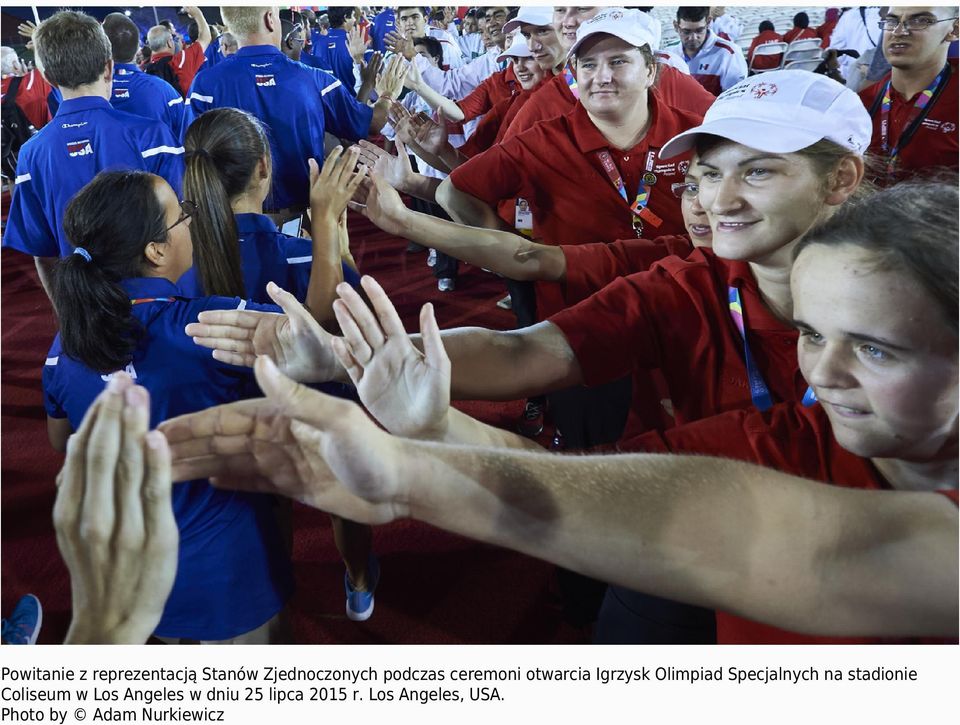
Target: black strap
863, 17
10, 98
909, 132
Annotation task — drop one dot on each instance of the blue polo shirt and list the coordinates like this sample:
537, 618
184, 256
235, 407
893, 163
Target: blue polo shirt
149, 96
384, 23
296, 103
213, 53
339, 58
233, 573
268, 255
318, 50
86, 136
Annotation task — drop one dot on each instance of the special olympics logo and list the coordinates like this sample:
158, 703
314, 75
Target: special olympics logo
761, 90
683, 166
948, 127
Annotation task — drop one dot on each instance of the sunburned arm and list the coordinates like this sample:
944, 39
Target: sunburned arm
755, 542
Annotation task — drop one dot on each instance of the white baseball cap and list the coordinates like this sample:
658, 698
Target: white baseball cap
536, 15
518, 49
632, 26
781, 112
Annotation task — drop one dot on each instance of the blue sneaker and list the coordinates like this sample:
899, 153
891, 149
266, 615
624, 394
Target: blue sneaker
23, 627
360, 604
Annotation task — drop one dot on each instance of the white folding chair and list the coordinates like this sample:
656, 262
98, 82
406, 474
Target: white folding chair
802, 55
768, 49
805, 44
810, 65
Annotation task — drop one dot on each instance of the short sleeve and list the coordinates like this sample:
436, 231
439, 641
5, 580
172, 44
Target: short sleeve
163, 155
51, 401
493, 175
343, 114
28, 227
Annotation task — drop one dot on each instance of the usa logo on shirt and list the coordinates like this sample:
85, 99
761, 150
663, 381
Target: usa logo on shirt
121, 92
266, 80
129, 370
79, 148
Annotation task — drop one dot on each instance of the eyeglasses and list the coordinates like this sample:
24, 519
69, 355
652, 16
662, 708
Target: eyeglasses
188, 210
914, 23
688, 32
289, 39
685, 190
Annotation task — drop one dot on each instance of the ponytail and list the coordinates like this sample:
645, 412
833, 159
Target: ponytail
110, 220
223, 149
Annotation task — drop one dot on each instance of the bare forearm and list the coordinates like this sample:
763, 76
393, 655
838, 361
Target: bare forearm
438, 102
420, 186
45, 267
467, 209
380, 110
508, 254
325, 271
720, 534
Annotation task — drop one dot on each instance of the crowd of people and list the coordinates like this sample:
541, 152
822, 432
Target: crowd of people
735, 291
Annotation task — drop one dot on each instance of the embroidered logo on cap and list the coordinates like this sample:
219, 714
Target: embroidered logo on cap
79, 148
762, 90
266, 80
683, 166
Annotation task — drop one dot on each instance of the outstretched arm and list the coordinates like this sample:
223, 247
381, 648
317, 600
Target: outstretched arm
511, 255
723, 534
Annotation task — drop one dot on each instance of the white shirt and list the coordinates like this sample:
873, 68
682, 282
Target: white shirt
856, 33
471, 45
457, 83
452, 55
729, 25
717, 66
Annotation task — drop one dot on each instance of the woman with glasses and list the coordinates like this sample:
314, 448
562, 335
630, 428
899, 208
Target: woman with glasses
914, 108
119, 308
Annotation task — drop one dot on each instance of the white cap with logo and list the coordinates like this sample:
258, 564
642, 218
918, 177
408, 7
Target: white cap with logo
535, 15
781, 112
518, 49
632, 26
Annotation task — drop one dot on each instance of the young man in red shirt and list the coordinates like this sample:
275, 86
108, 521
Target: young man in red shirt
184, 62
914, 108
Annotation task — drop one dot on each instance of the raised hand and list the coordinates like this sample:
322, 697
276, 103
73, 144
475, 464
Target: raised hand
397, 43
383, 205
414, 79
26, 29
390, 82
334, 185
298, 443
407, 391
368, 76
356, 44
295, 341
421, 131
395, 169
114, 519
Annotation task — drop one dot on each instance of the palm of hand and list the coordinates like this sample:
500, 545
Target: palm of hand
298, 346
403, 392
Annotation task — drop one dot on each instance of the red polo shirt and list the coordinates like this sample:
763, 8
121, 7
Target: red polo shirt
677, 90
935, 142
676, 317
799, 34
185, 64
493, 125
789, 438
32, 97
765, 62
591, 267
501, 85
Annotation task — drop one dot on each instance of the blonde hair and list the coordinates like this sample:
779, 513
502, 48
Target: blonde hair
244, 21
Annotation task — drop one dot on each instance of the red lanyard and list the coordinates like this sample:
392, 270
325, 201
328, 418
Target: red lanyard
640, 209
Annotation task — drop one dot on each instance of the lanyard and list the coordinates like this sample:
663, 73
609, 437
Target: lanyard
571, 81
142, 300
641, 212
921, 108
759, 392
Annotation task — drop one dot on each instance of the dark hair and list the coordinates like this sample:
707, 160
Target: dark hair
72, 48
766, 25
222, 150
168, 24
692, 15
910, 227
801, 20
124, 37
433, 46
424, 11
193, 31
338, 15
113, 218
